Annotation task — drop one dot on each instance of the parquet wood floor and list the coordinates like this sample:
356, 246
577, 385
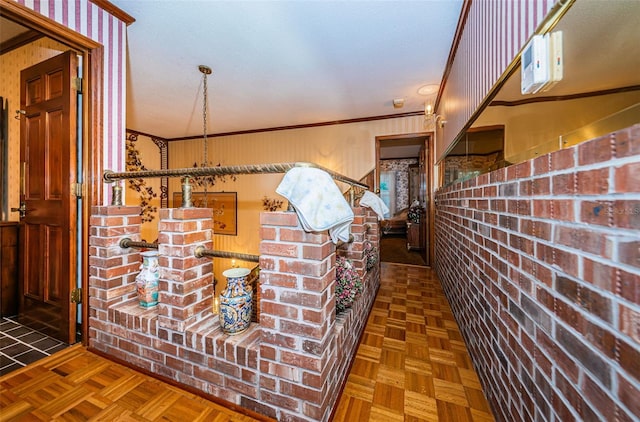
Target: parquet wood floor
77, 385
412, 364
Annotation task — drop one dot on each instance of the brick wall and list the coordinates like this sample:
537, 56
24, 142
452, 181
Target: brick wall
541, 264
290, 366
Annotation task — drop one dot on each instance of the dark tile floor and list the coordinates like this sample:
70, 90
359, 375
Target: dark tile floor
20, 345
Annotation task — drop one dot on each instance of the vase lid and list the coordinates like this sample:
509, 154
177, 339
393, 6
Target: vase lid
236, 272
149, 253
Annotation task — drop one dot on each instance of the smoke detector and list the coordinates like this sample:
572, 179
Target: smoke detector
398, 102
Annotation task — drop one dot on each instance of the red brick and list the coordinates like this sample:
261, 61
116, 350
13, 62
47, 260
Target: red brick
298, 235
278, 400
303, 330
519, 171
626, 214
541, 165
593, 182
177, 226
268, 383
304, 393
301, 361
584, 239
564, 184
568, 390
309, 268
562, 159
318, 284
317, 252
268, 233
563, 209
628, 286
601, 338
596, 395
541, 208
629, 394
185, 213
595, 151
541, 186
189, 238
629, 252
627, 142
99, 210
280, 218
279, 339
525, 188
630, 322
278, 309
244, 388
598, 274
106, 262
596, 212
279, 249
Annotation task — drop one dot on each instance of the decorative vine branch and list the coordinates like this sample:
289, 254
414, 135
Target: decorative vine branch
271, 204
139, 185
207, 181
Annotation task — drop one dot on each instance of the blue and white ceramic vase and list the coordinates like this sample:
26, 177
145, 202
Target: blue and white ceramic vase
147, 280
235, 302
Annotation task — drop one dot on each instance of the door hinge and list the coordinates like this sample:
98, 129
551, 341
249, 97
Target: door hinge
77, 84
76, 295
77, 189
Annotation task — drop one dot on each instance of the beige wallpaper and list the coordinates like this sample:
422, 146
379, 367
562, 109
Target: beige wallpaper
10, 66
348, 149
149, 155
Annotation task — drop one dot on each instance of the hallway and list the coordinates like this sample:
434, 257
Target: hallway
411, 365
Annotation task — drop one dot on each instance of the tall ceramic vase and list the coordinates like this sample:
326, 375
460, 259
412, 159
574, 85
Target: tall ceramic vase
147, 280
235, 302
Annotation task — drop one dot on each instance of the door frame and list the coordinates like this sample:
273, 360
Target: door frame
92, 138
428, 147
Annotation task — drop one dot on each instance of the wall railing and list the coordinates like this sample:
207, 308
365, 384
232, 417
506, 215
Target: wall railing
186, 173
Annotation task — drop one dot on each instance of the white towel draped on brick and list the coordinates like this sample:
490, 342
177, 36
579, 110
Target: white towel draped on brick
318, 202
373, 201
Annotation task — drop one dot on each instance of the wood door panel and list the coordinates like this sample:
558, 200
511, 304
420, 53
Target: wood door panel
54, 157
32, 263
34, 91
48, 147
53, 287
55, 85
34, 173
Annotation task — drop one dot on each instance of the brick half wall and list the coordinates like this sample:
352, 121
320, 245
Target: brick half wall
541, 264
289, 367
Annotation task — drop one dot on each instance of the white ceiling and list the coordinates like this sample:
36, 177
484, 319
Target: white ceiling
280, 63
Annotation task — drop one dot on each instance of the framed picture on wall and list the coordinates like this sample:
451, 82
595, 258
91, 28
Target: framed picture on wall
225, 209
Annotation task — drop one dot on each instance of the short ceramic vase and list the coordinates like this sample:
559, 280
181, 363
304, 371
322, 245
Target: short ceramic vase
147, 280
235, 302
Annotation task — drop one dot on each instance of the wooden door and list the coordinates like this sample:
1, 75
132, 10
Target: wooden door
48, 226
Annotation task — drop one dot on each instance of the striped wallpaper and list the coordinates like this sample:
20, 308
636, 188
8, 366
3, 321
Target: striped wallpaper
91, 21
492, 37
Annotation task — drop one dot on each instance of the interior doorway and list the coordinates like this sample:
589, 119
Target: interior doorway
403, 172
47, 212
28, 30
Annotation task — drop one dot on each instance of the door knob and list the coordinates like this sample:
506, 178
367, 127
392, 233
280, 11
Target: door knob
22, 209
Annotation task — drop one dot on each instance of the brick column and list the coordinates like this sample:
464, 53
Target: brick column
112, 269
186, 282
297, 282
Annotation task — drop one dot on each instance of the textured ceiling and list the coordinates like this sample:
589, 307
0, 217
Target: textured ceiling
280, 63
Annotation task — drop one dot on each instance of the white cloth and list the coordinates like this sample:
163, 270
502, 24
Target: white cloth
318, 202
373, 201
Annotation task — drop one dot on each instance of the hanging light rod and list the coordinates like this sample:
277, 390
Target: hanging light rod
205, 69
